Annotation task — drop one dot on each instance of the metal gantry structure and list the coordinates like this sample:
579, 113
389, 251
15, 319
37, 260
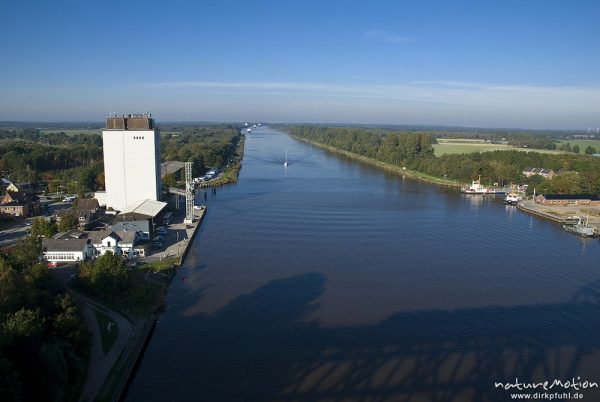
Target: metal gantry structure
189, 193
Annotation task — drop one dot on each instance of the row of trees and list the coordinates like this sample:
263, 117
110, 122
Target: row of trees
206, 146
566, 147
389, 147
41, 227
578, 173
44, 345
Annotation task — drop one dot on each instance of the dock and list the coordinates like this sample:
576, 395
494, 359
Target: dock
561, 214
144, 328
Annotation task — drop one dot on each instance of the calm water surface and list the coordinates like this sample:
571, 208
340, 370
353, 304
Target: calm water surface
334, 281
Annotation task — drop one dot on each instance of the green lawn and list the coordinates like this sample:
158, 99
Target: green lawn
159, 266
466, 148
457, 147
108, 336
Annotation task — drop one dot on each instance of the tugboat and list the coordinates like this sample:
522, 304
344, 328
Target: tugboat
477, 188
581, 228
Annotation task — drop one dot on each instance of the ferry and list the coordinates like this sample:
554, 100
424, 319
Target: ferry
477, 188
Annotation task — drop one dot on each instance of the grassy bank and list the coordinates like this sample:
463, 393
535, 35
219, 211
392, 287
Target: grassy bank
389, 167
109, 336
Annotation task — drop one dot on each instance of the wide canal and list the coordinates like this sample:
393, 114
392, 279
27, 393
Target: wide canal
330, 280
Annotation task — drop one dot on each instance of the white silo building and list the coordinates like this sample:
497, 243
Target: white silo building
131, 160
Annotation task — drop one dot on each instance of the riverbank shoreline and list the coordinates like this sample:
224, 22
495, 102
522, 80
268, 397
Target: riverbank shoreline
413, 174
561, 214
140, 344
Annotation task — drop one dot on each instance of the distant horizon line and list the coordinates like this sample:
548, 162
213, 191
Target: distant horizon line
440, 126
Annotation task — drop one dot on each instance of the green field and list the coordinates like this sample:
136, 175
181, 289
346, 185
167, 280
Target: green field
583, 144
466, 146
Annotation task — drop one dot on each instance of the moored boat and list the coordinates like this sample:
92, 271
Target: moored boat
477, 188
512, 198
581, 228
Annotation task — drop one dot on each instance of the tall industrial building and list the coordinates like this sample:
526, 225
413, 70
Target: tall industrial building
131, 160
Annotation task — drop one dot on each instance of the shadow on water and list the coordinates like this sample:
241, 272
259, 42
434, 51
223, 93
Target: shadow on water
263, 347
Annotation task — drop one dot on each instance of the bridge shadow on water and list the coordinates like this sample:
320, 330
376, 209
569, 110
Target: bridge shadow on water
262, 347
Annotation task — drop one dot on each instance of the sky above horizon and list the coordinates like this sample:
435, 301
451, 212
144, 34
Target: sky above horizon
487, 63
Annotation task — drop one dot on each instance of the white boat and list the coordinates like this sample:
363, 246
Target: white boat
512, 198
248, 130
477, 188
581, 228
285, 163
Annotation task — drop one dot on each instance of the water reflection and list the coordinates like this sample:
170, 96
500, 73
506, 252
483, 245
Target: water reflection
332, 280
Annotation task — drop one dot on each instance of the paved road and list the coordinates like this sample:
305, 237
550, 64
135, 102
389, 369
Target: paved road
9, 237
100, 364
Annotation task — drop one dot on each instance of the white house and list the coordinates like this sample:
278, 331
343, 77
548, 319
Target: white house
123, 242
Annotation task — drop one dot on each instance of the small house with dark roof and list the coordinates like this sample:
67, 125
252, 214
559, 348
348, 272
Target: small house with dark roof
25, 188
568, 199
87, 204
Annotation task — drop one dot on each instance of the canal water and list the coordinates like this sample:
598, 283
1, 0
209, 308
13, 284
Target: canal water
330, 280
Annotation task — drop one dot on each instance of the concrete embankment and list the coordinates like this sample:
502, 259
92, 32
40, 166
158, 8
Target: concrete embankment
562, 214
146, 327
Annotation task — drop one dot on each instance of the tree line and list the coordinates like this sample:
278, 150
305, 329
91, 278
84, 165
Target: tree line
413, 150
206, 146
74, 163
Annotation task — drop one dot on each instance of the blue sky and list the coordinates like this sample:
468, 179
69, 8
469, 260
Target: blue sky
502, 63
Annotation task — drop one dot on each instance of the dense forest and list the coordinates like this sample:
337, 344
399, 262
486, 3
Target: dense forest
44, 345
413, 150
207, 146
75, 162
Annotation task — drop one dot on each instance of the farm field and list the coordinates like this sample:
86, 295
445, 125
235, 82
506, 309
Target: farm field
460, 146
583, 144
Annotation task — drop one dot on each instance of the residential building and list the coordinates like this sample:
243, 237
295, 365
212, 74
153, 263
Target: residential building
547, 173
19, 204
26, 188
131, 161
125, 243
